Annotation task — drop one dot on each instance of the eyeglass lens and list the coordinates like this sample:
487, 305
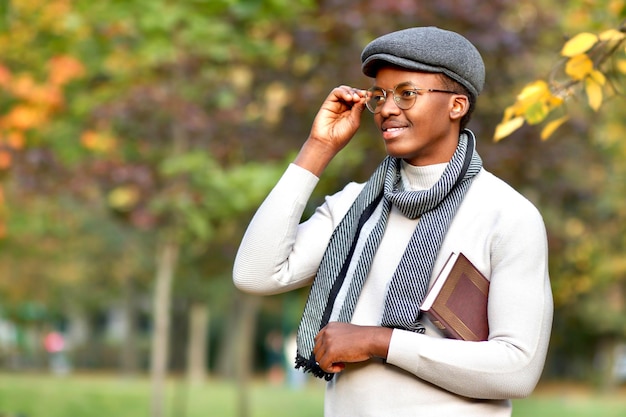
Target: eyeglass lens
404, 95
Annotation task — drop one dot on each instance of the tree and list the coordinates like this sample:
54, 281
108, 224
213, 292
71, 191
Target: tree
160, 75
183, 114
587, 65
586, 220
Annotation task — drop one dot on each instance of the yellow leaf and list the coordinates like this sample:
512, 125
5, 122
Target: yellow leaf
536, 112
532, 97
554, 101
594, 93
504, 129
101, 142
534, 91
621, 66
534, 103
598, 77
552, 127
611, 35
124, 198
511, 112
579, 67
579, 44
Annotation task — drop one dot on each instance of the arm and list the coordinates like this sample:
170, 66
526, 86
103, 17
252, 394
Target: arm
334, 126
510, 363
276, 253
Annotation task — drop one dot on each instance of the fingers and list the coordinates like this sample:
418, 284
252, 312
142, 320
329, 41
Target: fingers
350, 95
325, 362
322, 355
338, 118
339, 343
333, 347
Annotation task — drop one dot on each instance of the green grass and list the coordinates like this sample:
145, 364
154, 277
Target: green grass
31, 395
41, 395
562, 399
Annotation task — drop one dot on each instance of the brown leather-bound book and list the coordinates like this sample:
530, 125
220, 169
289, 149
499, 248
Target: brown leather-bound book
457, 301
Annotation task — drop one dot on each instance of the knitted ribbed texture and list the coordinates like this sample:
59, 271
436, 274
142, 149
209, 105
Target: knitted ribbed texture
346, 262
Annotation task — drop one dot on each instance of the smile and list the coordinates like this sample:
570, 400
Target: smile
392, 132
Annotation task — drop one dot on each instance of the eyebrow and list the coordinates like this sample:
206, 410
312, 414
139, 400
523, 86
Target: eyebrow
400, 83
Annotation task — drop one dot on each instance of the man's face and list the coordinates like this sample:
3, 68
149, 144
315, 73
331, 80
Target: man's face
428, 132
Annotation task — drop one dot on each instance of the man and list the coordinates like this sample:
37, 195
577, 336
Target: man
371, 250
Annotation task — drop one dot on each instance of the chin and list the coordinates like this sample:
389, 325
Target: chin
395, 153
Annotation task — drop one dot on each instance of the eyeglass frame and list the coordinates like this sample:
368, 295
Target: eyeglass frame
397, 99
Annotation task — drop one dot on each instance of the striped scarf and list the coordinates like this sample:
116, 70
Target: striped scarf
346, 262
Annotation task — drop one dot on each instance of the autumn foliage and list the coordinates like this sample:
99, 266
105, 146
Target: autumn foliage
33, 105
585, 59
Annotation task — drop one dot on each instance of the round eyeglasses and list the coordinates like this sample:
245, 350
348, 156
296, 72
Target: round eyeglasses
404, 95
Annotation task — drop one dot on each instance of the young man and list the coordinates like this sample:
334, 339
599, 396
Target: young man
371, 250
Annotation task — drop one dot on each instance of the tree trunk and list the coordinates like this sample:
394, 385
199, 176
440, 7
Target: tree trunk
197, 344
130, 355
243, 351
166, 264
606, 356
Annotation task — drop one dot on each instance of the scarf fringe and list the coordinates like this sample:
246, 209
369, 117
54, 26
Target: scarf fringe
311, 366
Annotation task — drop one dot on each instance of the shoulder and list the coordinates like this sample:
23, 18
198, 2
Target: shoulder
499, 210
494, 194
495, 222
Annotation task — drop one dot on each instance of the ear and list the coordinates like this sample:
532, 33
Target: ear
459, 106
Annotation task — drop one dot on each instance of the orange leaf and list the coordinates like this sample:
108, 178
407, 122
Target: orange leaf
64, 69
16, 140
47, 96
23, 86
89, 139
5, 160
23, 117
5, 76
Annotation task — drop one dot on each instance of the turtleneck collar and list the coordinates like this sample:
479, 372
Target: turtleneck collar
417, 178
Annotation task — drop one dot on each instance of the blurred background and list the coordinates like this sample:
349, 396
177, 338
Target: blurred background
137, 137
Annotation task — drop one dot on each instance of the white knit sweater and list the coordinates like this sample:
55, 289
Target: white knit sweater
424, 375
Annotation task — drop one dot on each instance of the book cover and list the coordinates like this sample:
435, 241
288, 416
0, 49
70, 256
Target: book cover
457, 301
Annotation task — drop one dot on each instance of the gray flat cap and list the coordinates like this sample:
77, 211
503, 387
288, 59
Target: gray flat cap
427, 49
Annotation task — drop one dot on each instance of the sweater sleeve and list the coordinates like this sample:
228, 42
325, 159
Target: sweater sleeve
520, 309
278, 253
